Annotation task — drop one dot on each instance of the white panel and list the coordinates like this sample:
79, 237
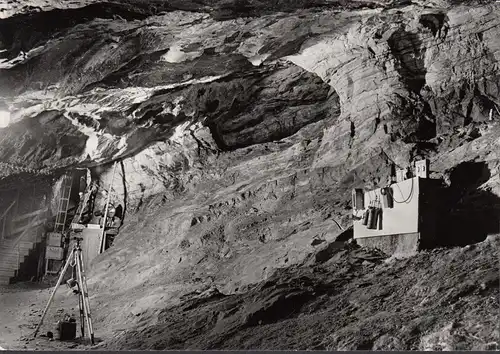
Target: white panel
52, 252
54, 239
90, 245
401, 219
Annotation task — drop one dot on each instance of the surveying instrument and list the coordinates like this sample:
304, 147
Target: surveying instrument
75, 259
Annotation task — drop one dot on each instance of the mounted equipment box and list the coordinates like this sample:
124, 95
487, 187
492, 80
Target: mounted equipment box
53, 252
54, 239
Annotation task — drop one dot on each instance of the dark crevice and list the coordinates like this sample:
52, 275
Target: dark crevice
27, 31
217, 136
434, 22
377, 123
346, 235
212, 106
407, 48
468, 118
469, 213
426, 128
231, 9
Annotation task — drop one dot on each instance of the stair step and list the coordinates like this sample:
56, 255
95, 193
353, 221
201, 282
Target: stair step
10, 264
21, 245
25, 243
15, 254
12, 241
11, 257
4, 280
7, 272
22, 251
15, 249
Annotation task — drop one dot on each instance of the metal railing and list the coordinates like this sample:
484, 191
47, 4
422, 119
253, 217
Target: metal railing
3, 219
26, 231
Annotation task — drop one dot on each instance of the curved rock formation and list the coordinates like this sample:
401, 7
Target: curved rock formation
240, 137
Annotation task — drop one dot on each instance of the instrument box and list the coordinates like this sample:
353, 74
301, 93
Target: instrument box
52, 252
54, 239
67, 330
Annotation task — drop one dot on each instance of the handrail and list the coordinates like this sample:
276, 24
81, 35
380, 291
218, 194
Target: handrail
22, 228
7, 210
2, 218
30, 226
27, 216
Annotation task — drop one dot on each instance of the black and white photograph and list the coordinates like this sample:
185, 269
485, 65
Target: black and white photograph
249, 175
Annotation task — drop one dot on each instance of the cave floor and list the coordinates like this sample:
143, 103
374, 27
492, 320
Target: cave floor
21, 308
345, 299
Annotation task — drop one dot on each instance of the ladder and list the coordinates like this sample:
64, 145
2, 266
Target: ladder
88, 192
62, 208
61, 216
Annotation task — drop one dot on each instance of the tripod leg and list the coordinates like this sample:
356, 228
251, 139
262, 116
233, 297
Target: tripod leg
86, 302
80, 307
68, 261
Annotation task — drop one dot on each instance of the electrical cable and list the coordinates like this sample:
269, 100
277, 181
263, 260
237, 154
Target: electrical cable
409, 196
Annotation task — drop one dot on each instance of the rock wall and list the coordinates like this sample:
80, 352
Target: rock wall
240, 138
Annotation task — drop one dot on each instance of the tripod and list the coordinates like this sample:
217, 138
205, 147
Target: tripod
75, 259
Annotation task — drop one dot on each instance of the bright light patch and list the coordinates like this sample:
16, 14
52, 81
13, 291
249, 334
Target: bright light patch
257, 60
4, 119
176, 55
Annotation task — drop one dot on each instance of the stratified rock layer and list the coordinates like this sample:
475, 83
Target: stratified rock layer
240, 138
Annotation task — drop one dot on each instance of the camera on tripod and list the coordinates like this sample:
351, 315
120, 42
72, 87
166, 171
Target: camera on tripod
78, 284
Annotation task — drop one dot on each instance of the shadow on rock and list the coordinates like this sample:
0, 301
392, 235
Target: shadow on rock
468, 214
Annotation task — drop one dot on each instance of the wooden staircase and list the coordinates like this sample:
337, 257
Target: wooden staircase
12, 257
23, 213
26, 232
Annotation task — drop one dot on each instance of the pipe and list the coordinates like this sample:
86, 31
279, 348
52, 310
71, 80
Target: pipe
379, 218
371, 216
365, 217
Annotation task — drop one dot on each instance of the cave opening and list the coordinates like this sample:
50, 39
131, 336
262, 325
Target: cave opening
469, 212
